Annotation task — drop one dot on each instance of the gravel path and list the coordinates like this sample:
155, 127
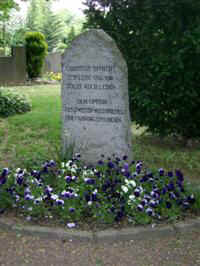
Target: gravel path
20, 250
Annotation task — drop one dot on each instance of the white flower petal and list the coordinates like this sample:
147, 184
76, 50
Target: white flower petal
124, 188
71, 225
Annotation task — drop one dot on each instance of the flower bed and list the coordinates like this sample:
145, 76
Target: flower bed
109, 192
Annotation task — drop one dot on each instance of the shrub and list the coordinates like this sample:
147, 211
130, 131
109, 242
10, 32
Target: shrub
161, 42
12, 103
109, 192
53, 76
36, 50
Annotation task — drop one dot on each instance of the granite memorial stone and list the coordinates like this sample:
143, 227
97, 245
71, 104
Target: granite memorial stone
95, 105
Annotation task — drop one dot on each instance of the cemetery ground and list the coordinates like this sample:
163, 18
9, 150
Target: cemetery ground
34, 137
28, 140
19, 250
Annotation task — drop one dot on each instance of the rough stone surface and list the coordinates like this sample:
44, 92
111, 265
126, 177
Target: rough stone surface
95, 105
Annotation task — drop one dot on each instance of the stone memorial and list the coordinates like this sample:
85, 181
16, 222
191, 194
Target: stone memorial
95, 105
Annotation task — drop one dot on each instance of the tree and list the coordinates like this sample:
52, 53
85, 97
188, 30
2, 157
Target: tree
16, 29
41, 18
73, 26
13, 27
160, 41
34, 20
53, 27
71, 35
7, 5
5, 8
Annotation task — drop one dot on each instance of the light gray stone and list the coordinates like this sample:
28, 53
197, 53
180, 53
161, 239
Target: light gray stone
95, 105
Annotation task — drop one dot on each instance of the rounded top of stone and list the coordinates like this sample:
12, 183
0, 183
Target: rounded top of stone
98, 33
96, 37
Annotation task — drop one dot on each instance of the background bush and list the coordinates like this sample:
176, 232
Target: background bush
160, 41
36, 50
11, 103
54, 76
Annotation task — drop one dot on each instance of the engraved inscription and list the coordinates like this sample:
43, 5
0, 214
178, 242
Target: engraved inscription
94, 110
93, 119
73, 86
91, 77
99, 86
95, 68
92, 101
78, 77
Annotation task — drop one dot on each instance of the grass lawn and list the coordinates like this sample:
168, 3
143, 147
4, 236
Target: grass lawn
30, 139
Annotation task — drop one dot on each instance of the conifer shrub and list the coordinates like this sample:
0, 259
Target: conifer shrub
36, 50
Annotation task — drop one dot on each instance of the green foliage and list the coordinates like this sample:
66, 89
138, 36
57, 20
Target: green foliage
34, 19
36, 50
53, 27
12, 30
60, 47
160, 41
71, 35
2, 51
5, 8
41, 18
11, 103
72, 26
53, 76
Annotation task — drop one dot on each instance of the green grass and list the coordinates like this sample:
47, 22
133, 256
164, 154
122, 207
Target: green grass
33, 137
167, 153
29, 139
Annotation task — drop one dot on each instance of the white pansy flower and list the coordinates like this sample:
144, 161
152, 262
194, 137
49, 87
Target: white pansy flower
124, 188
27, 190
68, 162
84, 173
141, 189
132, 183
54, 197
73, 170
132, 197
39, 199
71, 225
